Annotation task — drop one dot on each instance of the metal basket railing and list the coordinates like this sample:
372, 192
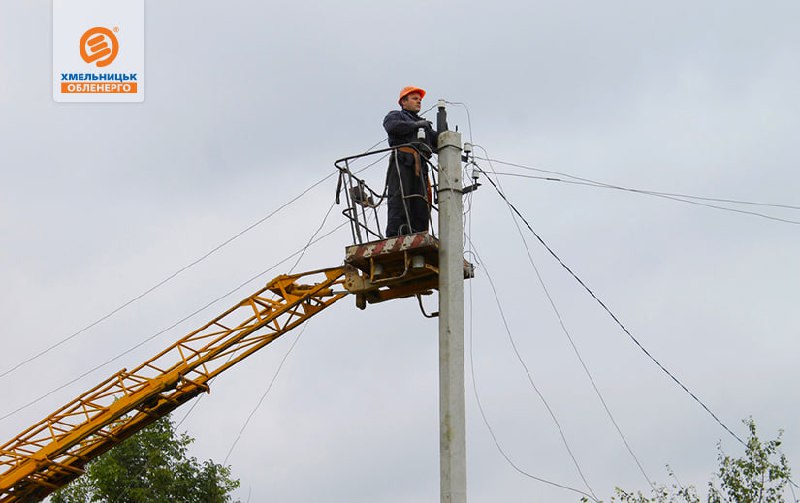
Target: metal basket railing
362, 202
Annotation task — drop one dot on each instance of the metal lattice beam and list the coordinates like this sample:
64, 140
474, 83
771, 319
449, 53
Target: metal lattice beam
54, 451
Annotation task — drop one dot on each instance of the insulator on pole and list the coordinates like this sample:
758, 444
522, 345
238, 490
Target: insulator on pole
441, 117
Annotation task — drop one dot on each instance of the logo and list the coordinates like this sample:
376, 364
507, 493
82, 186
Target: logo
99, 46
98, 51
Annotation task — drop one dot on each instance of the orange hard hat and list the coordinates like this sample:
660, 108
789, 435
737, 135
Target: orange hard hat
410, 89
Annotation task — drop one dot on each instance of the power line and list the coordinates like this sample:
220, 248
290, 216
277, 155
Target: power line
165, 280
469, 119
191, 409
530, 377
683, 198
311, 239
140, 344
572, 342
264, 395
275, 376
592, 496
659, 194
484, 417
229, 240
373, 163
480, 404
183, 269
612, 186
299, 258
610, 313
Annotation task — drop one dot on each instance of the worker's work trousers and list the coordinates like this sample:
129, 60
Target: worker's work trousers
409, 209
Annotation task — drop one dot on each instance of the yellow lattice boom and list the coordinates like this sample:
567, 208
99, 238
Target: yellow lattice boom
54, 451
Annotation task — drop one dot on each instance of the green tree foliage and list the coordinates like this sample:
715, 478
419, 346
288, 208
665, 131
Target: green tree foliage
760, 476
151, 467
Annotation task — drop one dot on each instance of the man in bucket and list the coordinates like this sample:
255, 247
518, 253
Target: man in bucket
407, 178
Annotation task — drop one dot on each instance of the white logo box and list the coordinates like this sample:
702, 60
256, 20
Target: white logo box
98, 51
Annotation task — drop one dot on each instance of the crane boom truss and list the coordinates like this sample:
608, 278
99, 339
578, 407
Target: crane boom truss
54, 451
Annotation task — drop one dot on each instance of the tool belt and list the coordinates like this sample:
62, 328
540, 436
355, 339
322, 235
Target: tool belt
417, 162
418, 170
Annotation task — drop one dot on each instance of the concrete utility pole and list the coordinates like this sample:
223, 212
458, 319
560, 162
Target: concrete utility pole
452, 427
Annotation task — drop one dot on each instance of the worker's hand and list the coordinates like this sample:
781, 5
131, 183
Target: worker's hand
424, 123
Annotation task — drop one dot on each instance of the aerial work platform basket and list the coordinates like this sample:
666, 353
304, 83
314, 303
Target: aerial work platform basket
401, 266
387, 267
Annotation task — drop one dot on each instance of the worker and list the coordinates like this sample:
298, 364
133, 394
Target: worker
407, 177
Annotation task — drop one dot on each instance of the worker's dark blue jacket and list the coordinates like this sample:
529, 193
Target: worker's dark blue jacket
407, 175
401, 127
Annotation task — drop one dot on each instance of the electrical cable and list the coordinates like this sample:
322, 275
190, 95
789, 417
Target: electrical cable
367, 151
684, 198
361, 170
427, 110
572, 342
465, 175
519, 356
589, 180
181, 270
165, 280
531, 381
468, 216
663, 196
140, 344
611, 314
191, 409
666, 195
311, 239
577, 353
592, 496
264, 395
229, 240
161, 283
469, 120
197, 401
308, 244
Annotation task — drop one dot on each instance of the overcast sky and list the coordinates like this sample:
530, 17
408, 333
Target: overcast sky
248, 104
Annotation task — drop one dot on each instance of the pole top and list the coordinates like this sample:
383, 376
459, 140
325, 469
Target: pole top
450, 139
